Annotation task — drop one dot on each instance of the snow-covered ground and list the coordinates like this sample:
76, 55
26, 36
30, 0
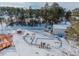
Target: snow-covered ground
11, 51
22, 48
23, 45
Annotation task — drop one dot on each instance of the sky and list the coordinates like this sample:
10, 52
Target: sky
36, 5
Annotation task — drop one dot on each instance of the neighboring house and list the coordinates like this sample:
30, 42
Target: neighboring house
4, 17
60, 28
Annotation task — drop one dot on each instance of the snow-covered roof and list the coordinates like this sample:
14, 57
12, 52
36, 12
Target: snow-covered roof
4, 16
61, 26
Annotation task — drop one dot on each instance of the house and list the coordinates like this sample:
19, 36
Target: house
60, 28
4, 17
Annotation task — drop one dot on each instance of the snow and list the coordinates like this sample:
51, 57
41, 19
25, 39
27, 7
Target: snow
23, 47
62, 25
11, 51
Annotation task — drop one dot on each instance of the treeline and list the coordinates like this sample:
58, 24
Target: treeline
48, 12
51, 14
